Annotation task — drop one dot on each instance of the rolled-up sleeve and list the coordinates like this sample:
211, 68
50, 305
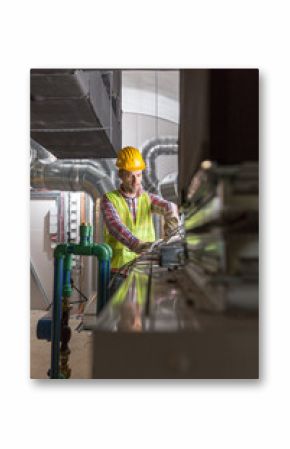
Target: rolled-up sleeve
168, 210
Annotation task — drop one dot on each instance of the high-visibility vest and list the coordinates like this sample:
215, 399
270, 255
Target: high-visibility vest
143, 228
138, 294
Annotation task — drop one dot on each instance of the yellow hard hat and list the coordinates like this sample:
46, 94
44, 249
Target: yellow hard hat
130, 159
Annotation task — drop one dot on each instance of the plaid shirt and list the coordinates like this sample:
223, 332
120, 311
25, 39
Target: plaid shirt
114, 224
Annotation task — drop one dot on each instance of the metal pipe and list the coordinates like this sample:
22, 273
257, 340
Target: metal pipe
104, 254
62, 288
56, 316
107, 272
102, 279
150, 151
102, 251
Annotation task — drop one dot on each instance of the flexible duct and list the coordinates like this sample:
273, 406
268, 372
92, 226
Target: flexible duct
150, 151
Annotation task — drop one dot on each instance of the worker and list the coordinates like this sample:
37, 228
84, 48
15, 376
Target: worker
127, 214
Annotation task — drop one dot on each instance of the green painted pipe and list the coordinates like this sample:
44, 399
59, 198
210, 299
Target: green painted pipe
86, 234
67, 267
56, 316
101, 250
104, 255
108, 272
62, 283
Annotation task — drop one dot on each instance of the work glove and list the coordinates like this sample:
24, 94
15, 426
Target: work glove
173, 239
141, 247
156, 244
170, 226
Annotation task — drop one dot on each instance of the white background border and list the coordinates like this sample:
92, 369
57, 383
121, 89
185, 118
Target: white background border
151, 34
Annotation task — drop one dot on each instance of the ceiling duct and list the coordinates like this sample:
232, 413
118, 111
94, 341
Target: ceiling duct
150, 151
37, 151
69, 175
76, 114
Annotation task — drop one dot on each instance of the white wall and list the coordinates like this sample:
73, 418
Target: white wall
138, 128
41, 253
150, 106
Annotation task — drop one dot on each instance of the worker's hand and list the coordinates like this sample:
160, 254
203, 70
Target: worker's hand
141, 247
156, 244
170, 226
173, 239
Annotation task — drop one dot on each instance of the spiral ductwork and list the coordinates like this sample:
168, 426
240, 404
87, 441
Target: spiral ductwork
168, 187
150, 151
71, 175
68, 174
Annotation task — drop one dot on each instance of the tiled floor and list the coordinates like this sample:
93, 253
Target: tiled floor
80, 345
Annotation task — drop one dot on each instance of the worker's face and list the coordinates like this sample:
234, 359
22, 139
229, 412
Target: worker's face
131, 180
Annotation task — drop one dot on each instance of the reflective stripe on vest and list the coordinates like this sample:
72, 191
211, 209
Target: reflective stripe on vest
143, 229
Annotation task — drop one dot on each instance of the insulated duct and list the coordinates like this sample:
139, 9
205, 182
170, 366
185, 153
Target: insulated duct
73, 175
150, 151
168, 187
37, 151
86, 175
110, 168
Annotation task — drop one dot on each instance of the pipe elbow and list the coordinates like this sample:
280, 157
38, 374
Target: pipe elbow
109, 249
101, 252
60, 250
